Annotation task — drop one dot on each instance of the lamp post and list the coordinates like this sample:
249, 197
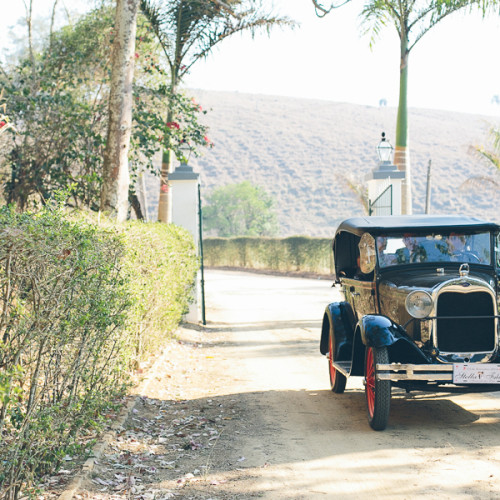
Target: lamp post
384, 183
384, 150
185, 149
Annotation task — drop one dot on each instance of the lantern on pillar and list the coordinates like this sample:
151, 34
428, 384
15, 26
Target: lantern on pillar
384, 183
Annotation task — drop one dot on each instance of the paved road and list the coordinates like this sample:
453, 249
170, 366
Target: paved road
304, 442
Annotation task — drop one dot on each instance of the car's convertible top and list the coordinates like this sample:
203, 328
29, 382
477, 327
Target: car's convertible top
415, 223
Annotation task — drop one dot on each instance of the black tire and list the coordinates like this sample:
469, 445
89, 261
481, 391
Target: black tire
337, 379
378, 392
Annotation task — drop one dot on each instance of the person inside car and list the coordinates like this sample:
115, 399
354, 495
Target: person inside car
458, 250
412, 251
385, 259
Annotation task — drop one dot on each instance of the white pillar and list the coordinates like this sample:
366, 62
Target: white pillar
383, 176
184, 193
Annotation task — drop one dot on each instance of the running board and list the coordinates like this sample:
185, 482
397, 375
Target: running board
343, 367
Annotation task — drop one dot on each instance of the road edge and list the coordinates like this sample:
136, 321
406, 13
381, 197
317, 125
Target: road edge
107, 437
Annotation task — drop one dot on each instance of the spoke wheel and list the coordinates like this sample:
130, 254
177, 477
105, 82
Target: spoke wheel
378, 392
337, 379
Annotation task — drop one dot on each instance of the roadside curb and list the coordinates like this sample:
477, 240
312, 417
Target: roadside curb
98, 450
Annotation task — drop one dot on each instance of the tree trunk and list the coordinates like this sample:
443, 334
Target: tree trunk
136, 205
116, 178
165, 200
401, 152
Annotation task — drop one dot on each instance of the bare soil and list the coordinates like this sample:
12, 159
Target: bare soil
242, 409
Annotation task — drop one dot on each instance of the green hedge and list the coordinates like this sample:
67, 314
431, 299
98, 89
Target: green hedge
80, 305
161, 264
296, 254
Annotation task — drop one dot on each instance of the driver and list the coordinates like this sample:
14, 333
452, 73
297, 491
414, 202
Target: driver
457, 249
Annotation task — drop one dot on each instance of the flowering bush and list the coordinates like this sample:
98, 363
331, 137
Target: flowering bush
60, 109
184, 127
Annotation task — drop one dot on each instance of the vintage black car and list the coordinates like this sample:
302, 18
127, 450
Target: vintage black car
420, 310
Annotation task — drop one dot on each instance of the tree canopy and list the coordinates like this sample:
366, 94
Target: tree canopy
240, 210
58, 101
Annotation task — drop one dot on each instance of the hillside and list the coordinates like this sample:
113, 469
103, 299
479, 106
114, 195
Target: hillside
301, 150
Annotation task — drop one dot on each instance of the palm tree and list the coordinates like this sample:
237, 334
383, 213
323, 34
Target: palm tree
360, 190
412, 20
490, 156
187, 31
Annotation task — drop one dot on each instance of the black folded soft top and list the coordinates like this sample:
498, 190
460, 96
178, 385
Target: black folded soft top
415, 223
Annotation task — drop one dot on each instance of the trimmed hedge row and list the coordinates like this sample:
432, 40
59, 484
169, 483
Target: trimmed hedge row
80, 305
292, 254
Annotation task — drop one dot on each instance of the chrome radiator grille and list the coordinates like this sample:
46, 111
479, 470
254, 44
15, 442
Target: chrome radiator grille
461, 334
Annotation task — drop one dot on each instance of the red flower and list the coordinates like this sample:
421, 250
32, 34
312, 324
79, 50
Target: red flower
2, 124
136, 55
173, 125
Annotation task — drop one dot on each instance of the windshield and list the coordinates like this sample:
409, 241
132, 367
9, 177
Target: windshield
452, 247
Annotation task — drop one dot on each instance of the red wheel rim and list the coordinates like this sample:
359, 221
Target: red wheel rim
370, 382
330, 359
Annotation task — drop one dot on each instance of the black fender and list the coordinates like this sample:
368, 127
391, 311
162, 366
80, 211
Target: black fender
380, 331
340, 318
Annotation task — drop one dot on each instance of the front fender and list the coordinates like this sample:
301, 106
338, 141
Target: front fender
379, 331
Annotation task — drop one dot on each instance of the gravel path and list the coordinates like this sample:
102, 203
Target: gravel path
242, 409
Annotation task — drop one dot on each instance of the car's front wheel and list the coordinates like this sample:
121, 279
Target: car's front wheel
378, 392
337, 379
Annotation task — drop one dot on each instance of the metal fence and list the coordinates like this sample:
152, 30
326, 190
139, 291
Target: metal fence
382, 205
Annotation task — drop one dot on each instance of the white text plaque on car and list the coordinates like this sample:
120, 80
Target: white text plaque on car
477, 373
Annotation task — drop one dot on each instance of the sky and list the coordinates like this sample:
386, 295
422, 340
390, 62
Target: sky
455, 66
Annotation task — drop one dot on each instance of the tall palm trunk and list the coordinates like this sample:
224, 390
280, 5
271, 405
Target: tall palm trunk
165, 200
401, 152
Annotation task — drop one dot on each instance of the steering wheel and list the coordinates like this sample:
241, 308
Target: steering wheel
466, 257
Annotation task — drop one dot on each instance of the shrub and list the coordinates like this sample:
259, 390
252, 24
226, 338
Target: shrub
240, 210
292, 254
160, 260
63, 303
79, 306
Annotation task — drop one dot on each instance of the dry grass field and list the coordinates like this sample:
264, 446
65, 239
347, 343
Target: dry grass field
302, 151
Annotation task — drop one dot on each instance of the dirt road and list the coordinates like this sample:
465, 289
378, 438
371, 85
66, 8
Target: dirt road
243, 409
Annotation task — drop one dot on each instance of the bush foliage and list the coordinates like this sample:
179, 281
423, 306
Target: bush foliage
80, 306
292, 254
160, 262
240, 210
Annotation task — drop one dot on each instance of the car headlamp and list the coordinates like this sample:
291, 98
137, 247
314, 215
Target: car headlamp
419, 304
